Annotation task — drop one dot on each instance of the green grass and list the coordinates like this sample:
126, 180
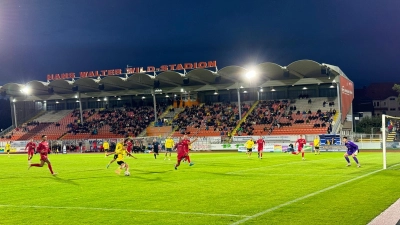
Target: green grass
221, 188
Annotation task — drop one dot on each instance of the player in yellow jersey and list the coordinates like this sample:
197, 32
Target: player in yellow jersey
119, 155
118, 148
316, 144
106, 147
169, 144
8, 148
249, 146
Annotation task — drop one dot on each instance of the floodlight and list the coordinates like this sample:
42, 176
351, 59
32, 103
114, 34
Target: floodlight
250, 74
26, 90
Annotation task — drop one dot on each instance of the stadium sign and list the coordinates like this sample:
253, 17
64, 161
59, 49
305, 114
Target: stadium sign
346, 95
132, 70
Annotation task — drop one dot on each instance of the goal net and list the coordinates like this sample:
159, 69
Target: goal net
390, 136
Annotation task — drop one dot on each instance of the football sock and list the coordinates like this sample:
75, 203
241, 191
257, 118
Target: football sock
188, 158
302, 154
347, 159
36, 164
355, 159
155, 155
50, 168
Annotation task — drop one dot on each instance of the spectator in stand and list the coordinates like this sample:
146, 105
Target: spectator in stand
390, 128
309, 101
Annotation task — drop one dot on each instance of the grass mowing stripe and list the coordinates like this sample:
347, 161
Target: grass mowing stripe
307, 196
122, 210
275, 165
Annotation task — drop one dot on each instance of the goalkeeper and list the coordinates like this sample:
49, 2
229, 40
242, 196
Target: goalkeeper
352, 149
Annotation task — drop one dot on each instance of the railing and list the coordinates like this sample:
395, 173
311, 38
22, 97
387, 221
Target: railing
4, 132
10, 128
244, 118
337, 123
367, 137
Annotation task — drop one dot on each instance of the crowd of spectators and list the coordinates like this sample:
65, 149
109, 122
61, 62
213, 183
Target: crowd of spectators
331, 104
127, 121
220, 117
267, 113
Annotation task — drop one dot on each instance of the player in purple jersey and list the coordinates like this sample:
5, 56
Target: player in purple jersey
352, 149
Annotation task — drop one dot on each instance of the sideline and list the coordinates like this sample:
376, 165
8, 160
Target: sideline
390, 216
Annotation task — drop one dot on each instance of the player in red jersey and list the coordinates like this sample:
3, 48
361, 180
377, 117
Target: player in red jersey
43, 149
31, 149
129, 146
186, 143
260, 146
95, 146
181, 153
300, 144
183, 150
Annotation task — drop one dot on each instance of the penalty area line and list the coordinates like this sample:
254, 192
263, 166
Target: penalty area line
121, 210
307, 196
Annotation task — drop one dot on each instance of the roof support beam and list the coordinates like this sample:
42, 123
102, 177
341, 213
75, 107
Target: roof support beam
170, 82
199, 80
297, 74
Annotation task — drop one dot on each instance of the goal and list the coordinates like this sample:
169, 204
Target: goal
390, 135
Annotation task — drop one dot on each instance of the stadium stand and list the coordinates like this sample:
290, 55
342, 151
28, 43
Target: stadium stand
113, 123
217, 119
58, 129
28, 130
281, 117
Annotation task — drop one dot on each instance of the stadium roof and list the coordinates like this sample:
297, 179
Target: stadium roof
302, 72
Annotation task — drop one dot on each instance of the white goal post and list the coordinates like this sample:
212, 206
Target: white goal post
384, 122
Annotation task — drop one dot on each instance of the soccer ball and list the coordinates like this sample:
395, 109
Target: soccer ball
127, 173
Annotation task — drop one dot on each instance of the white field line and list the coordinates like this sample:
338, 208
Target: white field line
302, 175
275, 165
120, 210
306, 196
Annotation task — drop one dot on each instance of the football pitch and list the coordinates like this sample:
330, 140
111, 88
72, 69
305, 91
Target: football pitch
221, 188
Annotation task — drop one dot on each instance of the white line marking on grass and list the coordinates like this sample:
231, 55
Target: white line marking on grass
122, 210
303, 175
306, 196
